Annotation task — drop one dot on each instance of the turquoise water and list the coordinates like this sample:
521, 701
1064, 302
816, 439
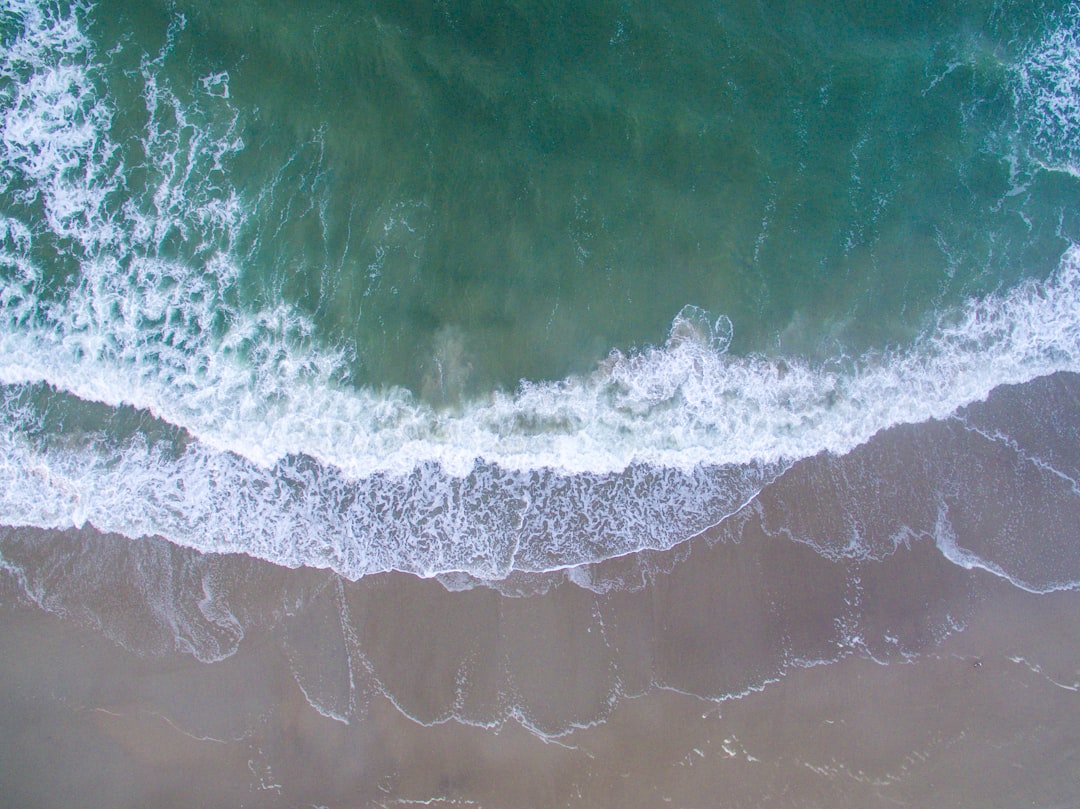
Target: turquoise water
482, 287
511, 191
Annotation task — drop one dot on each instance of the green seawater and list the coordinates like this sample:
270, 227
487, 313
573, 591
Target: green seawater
447, 288
463, 195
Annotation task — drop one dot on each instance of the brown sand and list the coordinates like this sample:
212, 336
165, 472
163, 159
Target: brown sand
987, 717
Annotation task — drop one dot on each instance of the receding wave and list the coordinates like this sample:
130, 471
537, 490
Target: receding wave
284, 460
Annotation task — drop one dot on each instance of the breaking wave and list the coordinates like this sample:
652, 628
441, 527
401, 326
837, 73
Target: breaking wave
126, 295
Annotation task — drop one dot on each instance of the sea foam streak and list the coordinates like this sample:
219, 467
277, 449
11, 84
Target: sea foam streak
1047, 96
291, 465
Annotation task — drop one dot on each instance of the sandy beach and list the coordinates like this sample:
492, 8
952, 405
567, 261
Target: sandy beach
750, 667
987, 717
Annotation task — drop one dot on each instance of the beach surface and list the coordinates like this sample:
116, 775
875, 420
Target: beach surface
752, 666
985, 718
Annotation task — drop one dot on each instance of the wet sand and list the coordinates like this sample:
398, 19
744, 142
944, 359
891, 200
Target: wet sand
767, 663
988, 717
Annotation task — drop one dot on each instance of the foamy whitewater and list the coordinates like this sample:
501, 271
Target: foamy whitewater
248, 436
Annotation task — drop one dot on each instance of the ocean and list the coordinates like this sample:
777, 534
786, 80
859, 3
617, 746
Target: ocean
522, 297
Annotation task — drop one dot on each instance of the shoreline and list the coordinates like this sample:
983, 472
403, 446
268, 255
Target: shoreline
772, 660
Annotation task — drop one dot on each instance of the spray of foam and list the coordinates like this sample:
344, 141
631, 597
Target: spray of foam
1046, 94
300, 512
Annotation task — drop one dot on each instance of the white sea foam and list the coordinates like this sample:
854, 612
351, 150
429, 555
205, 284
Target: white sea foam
946, 540
1047, 94
290, 465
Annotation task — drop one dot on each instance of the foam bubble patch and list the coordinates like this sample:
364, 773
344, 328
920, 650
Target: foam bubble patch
1047, 94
